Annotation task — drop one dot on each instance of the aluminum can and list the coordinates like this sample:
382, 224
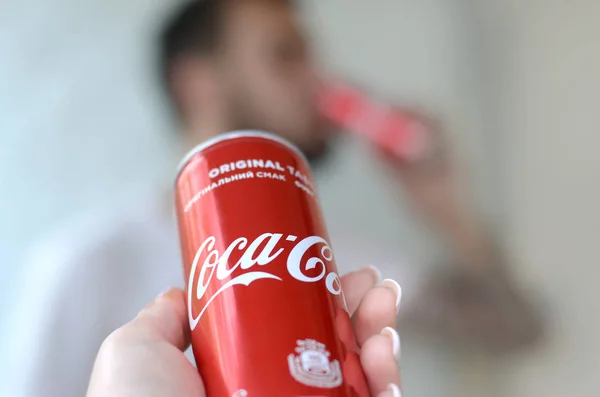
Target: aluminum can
398, 132
266, 310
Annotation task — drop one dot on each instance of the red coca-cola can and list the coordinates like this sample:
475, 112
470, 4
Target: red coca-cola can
396, 131
266, 309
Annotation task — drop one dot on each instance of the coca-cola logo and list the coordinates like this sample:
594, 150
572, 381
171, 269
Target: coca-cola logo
260, 252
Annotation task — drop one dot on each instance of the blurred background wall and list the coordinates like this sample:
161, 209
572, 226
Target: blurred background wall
80, 120
81, 125
554, 183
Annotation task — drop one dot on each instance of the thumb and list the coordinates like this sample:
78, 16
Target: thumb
146, 349
163, 320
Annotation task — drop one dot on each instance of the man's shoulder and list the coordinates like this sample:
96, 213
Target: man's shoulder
83, 280
96, 235
120, 256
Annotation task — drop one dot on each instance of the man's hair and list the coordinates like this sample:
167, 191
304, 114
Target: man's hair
194, 29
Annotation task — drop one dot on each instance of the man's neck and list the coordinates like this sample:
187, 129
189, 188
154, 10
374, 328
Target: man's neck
194, 133
198, 131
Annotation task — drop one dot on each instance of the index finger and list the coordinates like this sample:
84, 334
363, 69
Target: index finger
355, 285
164, 320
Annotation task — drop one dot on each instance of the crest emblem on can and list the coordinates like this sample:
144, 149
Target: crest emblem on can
312, 367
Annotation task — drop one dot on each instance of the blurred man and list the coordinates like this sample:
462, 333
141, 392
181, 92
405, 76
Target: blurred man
244, 64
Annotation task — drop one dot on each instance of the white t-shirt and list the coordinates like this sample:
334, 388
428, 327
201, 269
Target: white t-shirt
91, 278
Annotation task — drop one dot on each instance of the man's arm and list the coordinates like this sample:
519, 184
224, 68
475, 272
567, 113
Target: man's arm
472, 299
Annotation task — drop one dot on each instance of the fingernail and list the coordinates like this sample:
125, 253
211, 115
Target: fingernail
151, 304
375, 272
158, 298
395, 338
163, 294
394, 286
394, 389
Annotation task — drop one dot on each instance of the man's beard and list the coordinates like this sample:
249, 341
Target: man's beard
319, 156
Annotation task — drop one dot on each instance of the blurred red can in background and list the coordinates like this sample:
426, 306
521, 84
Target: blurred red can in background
265, 305
398, 132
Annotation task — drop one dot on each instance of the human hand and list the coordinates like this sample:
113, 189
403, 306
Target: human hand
430, 179
438, 191
145, 357
487, 312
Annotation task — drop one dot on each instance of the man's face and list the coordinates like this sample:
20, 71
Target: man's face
268, 77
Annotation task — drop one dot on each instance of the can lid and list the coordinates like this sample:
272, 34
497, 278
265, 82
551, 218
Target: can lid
233, 135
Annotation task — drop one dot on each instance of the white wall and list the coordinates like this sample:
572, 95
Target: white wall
555, 188
79, 119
